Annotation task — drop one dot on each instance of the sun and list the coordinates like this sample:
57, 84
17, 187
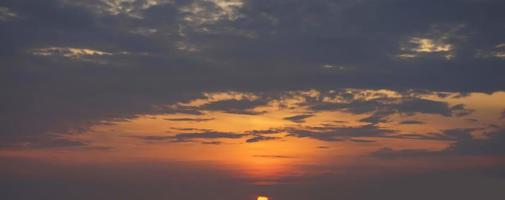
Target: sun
262, 198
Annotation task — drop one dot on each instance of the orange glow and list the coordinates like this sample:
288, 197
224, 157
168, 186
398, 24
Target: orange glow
281, 154
262, 198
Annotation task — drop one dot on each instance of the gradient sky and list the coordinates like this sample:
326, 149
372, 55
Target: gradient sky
236, 99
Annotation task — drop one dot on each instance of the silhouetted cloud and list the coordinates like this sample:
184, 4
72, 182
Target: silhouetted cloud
411, 122
208, 135
266, 131
66, 65
47, 142
340, 133
492, 145
260, 138
212, 142
298, 118
192, 137
465, 144
189, 119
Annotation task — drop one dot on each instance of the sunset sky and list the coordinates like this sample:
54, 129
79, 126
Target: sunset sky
252, 99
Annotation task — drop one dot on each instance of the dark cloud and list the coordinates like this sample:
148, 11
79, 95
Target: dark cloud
260, 138
340, 133
465, 144
494, 144
208, 135
383, 107
447, 135
266, 132
47, 142
298, 118
190, 119
159, 57
212, 142
190, 137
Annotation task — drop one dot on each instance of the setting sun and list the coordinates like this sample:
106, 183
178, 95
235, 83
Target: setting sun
262, 198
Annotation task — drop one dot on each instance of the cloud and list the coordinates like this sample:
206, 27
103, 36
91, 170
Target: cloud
69, 52
261, 138
492, 145
190, 119
465, 144
426, 46
6, 14
130, 8
498, 52
45, 142
298, 118
191, 137
266, 131
244, 106
340, 133
212, 142
383, 107
208, 135
251, 46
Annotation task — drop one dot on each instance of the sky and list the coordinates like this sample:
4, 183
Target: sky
241, 99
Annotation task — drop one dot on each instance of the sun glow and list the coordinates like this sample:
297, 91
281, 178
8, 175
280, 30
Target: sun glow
262, 198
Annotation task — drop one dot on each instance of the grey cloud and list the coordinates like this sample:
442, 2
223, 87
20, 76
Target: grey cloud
494, 144
266, 131
6, 14
212, 142
208, 135
340, 133
382, 108
260, 138
190, 119
298, 118
465, 144
190, 137
47, 142
455, 134
275, 46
